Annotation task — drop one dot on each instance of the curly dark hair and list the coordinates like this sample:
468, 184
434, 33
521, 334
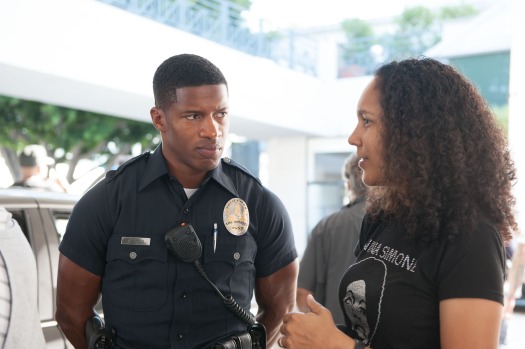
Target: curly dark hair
444, 153
184, 70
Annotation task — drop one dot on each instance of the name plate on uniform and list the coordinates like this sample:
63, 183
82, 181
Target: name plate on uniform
136, 241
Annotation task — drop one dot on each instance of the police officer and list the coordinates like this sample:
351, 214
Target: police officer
114, 242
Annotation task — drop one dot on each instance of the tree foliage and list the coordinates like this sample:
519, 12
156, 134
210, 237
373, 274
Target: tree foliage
356, 28
417, 29
358, 32
78, 134
415, 19
460, 11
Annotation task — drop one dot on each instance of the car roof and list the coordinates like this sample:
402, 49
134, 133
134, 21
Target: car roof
24, 197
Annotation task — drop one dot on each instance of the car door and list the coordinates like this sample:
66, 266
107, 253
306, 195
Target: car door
38, 227
54, 220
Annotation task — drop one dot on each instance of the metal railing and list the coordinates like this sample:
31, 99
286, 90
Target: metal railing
221, 21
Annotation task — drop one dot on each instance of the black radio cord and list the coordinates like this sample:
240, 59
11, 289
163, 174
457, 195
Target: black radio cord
228, 300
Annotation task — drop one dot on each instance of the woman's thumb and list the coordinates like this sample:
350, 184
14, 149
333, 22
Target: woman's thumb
315, 307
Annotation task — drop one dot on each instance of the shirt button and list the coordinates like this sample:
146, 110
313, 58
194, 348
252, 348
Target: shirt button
186, 210
236, 256
133, 255
183, 295
179, 337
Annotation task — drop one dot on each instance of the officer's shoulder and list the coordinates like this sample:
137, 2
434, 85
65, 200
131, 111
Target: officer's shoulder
234, 165
137, 160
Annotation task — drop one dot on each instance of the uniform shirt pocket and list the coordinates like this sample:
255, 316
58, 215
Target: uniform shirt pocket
231, 266
136, 276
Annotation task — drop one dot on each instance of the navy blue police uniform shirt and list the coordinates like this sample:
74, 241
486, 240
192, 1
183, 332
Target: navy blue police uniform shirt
151, 299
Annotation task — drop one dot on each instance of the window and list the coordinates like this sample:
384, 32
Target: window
60, 219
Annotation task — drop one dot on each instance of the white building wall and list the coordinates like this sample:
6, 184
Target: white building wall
287, 165
517, 105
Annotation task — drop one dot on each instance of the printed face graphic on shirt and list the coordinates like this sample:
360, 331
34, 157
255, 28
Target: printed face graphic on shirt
362, 290
355, 307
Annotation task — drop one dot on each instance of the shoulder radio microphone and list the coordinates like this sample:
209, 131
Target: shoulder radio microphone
184, 243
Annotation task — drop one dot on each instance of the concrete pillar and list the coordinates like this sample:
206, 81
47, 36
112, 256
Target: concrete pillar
287, 178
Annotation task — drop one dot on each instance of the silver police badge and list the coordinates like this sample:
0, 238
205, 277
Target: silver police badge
236, 217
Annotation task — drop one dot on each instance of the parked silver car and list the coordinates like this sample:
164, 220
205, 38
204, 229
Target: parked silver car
43, 217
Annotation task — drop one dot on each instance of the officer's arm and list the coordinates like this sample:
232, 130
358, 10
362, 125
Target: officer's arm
275, 296
77, 294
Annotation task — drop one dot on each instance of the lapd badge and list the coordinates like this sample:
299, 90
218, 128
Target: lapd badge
236, 217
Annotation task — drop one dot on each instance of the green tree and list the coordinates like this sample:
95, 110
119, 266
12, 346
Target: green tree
80, 134
415, 19
357, 28
359, 39
417, 31
460, 11
418, 28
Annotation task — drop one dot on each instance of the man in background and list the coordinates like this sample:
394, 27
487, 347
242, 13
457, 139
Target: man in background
34, 166
330, 250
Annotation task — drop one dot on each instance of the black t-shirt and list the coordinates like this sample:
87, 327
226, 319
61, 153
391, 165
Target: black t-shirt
152, 299
391, 295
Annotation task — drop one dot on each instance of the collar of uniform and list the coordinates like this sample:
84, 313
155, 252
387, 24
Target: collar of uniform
222, 178
155, 168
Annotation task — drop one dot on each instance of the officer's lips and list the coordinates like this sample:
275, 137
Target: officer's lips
210, 151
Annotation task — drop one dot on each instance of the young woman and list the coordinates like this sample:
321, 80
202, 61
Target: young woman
431, 260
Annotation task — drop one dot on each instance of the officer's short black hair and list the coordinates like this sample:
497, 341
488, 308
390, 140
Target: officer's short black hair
184, 70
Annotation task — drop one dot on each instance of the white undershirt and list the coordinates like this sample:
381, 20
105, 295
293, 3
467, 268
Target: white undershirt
190, 192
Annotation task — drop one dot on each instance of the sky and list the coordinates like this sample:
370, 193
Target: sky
310, 13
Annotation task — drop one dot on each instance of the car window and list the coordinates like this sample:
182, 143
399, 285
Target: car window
60, 219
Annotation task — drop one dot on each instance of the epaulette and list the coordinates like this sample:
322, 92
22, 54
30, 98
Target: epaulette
235, 164
115, 173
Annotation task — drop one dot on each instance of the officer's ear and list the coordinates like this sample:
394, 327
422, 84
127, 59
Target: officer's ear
158, 118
